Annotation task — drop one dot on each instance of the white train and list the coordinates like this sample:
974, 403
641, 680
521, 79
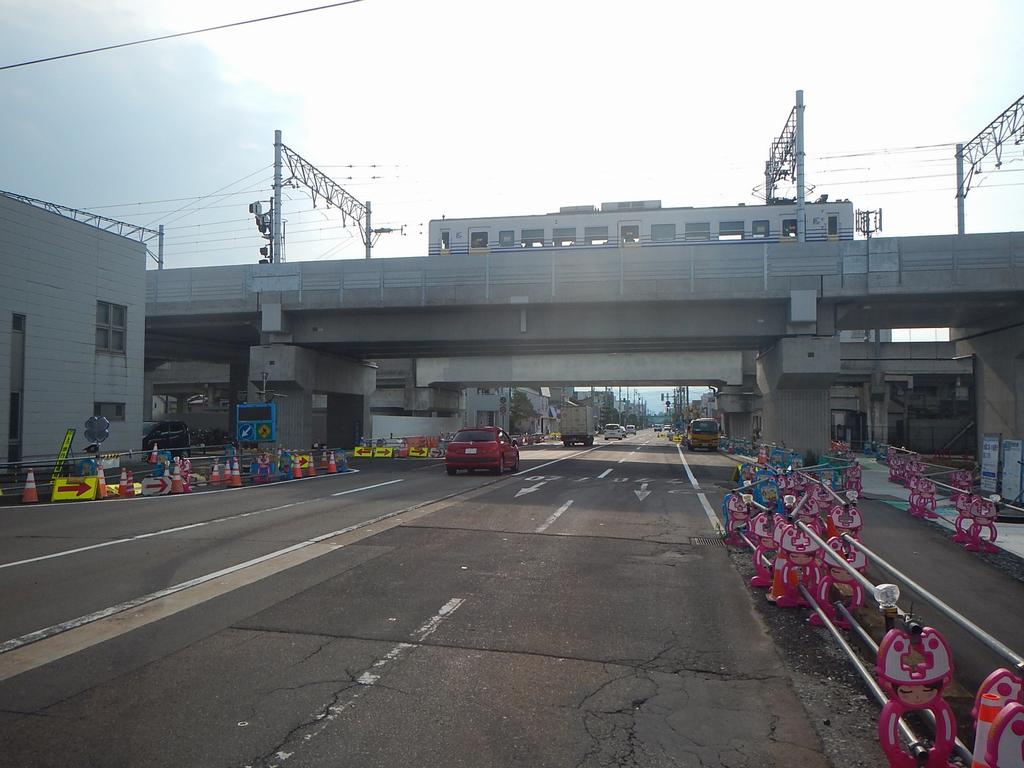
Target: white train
642, 223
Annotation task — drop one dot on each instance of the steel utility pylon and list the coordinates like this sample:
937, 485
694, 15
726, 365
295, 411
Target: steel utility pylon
1009, 125
786, 161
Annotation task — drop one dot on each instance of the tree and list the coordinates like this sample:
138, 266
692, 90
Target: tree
521, 412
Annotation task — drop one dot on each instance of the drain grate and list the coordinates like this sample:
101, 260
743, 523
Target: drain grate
706, 541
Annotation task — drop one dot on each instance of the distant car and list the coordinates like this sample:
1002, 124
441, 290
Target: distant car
631, 429
614, 431
481, 448
166, 435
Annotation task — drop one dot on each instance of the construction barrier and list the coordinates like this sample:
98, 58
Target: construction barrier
362, 451
383, 452
74, 488
419, 453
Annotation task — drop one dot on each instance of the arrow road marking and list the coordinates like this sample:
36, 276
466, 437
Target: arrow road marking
605, 473
643, 493
531, 489
547, 523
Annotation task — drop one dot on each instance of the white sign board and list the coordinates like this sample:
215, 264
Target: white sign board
990, 462
1013, 469
156, 486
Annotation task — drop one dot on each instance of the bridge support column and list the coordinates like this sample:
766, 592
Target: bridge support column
295, 373
737, 411
998, 379
794, 378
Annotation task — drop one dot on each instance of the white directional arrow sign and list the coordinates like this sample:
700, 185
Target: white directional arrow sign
643, 493
531, 489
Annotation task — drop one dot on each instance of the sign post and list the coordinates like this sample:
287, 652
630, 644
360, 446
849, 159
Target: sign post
1013, 469
990, 462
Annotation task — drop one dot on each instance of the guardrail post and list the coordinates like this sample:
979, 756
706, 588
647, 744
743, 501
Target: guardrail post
487, 275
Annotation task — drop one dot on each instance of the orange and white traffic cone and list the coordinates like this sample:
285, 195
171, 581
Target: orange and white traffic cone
101, 484
311, 466
236, 475
990, 706
152, 455
131, 484
215, 473
30, 495
122, 488
332, 465
176, 484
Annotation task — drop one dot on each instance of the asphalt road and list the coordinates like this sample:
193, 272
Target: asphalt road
569, 615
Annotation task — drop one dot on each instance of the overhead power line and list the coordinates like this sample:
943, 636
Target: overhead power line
179, 34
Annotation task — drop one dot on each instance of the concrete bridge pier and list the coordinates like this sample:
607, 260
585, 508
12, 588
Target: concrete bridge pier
998, 378
294, 374
794, 377
736, 404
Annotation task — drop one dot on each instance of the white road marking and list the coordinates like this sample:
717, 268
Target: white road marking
324, 718
177, 529
710, 512
531, 489
555, 461
620, 461
547, 523
643, 493
686, 466
605, 473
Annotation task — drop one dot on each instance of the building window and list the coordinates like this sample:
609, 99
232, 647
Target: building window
533, 238
477, 239
789, 228
595, 235
663, 233
565, 236
18, 323
112, 411
629, 234
482, 391
833, 225
445, 240
759, 229
698, 230
730, 230
507, 238
14, 423
110, 326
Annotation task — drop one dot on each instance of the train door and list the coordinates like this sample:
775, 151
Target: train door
629, 233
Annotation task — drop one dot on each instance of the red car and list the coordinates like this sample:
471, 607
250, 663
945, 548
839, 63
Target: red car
481, 448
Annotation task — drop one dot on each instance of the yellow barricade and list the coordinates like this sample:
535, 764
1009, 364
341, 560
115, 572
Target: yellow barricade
383, 453
74, 488
677, 438
362, 450
419, 453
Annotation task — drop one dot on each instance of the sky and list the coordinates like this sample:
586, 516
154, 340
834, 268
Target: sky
472, 108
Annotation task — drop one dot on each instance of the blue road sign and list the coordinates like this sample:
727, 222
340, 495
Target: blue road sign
256, 422
246, 430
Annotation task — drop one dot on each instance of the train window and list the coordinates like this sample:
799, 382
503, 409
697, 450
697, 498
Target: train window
565, 236
663, 233
533, 238
730, 230
507, 238
629, 234
477, 239
595, 235
833, 225
760, 228
698, 230
789, 227
445, 240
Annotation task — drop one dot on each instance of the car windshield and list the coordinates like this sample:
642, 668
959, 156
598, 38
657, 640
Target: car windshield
474, 436
704, 427
612, 426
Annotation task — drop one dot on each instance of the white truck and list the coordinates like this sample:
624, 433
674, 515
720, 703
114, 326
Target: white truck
577, 425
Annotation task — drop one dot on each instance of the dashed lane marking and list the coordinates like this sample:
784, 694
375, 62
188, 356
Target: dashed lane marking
547, 523
605, 473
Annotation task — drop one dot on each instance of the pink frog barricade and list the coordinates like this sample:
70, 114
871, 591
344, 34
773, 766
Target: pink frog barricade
834, 575
964, 517
853, 478
963, 481
738, 508
896, 462
1004, 684
922, 499
1005, 743
822, 499
799, 562
913, 469
809, 513
982, 533
761, 529
845, 519
914, 668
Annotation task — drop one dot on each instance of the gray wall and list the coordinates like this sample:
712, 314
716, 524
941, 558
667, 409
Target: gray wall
53, 270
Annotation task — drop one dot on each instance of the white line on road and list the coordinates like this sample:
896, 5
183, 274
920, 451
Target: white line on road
686, 466
555, 461
547, 523
178, 529
605, 473
709, 512
531, 489
620, 461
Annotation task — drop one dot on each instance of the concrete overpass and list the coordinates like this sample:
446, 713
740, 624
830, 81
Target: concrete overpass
784, 301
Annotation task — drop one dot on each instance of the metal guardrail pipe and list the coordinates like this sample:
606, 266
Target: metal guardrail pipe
839, 559
836, 496
984, 637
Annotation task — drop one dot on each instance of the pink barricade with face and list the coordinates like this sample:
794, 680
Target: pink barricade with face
963, 481
895, 466
1004, 684
761, 529
842, 520
799, 562
835, 574
1005, 744
922, 499
982, 534
853, 478
914, 670
964, 517
739, 518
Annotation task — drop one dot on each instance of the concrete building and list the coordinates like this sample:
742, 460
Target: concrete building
72, 308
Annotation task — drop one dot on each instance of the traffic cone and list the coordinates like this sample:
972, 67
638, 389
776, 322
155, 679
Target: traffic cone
236, 475
311, 467
30, 495
131, 484
122, 488
323, 460
332, 465
101, 484
152, 455
215, 472
176, 485
296, 467
991, 704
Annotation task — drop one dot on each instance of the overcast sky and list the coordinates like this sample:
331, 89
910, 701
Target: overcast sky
470, 108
